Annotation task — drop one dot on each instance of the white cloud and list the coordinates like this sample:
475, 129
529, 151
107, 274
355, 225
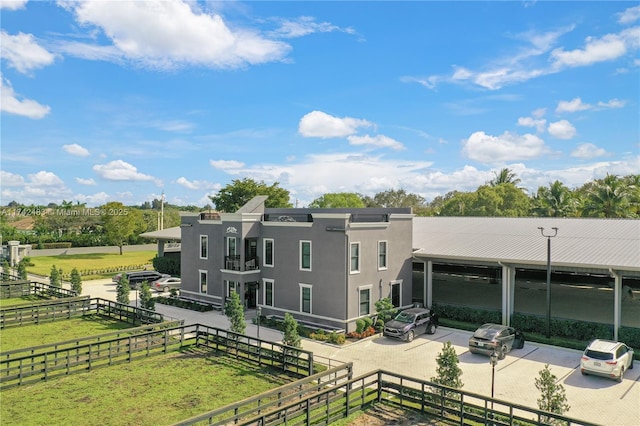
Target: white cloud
11, 179
119, 170
588, 150
597, 49
613, 103
630, 15
378, 141
226, 164
10, 103
82, 181
538, 123
23, 52
532, 61
75, 149
562, 129
489, 149
166, 34
306, 25
194, 184
573, 105
322, 125
43, 178
13, 4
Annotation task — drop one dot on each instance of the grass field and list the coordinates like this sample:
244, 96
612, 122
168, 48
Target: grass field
91, 261
24, 300
160, 390
58, 331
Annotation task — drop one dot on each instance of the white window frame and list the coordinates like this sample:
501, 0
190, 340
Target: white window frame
357, 270
360, 290
302, 242
302, 288
235, 246
264, 252
386, 255
265, 282
204, 244
201, 273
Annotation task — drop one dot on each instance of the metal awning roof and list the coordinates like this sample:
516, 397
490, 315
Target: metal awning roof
580, 243
164, 234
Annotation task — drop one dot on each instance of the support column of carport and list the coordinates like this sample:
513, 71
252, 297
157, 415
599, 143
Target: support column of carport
428, 283
508, 292
617, 302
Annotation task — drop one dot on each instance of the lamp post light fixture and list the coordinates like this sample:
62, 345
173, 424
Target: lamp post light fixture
258, 314
493, 360
548, 237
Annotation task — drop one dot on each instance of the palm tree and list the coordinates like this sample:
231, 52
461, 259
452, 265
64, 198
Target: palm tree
555, 201
609, 197
504, 176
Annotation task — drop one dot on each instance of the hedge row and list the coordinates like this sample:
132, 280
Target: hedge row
564, 328
184, 303
167, 265
104, 271
55, 245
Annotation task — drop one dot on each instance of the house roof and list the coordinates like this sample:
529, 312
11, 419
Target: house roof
164, 234
580, 243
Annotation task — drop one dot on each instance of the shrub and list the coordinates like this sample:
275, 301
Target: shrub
359, 325
379, 325
336, 339
368, 322
167, 265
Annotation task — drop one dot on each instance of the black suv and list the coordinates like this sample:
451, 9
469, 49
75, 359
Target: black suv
410, 322
137, 278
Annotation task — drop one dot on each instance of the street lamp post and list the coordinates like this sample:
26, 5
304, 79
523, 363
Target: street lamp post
493, 360
259, 313
548, 237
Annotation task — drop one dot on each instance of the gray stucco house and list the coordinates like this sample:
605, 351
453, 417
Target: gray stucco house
324, 266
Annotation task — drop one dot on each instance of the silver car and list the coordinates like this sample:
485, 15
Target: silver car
165, 284
606, 358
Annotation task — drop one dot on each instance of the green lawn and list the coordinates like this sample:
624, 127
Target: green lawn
58, 331
91, 261
24, 300
160, 390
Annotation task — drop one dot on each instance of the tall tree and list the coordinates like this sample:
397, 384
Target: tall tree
552, 395
236, 194
235, 312
76, 281
146, 299
448, 372
555, 201
395, 198
119, 223
290, 335
22, 267
505, 175
54, 276
123, 290
609, 197
337, 200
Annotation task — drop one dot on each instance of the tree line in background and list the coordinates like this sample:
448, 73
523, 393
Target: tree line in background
116, 224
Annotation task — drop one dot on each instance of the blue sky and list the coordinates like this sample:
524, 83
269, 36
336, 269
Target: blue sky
123, 100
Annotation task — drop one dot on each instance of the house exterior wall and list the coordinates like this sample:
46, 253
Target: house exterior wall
334, 289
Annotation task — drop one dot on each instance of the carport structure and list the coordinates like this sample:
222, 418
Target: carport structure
501, 263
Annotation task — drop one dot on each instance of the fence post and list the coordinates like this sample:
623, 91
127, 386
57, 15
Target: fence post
379, 386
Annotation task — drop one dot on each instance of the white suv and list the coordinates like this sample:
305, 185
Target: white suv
607, 358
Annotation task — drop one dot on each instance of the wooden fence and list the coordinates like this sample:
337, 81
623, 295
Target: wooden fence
30, 365
15, 287
52, 310
329, 403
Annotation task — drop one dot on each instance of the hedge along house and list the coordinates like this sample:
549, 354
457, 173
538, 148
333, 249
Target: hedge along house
326, 267
501, 264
